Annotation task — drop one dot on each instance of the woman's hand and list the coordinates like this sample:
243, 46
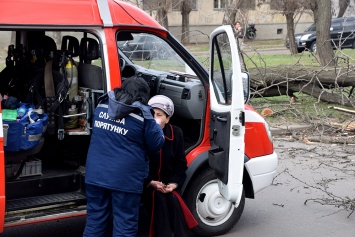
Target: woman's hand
159, 186
170, 187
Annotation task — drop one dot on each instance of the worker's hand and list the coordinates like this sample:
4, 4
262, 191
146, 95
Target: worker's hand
158, 121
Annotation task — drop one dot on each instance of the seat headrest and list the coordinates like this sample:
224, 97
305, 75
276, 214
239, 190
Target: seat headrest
70, 44
89, 49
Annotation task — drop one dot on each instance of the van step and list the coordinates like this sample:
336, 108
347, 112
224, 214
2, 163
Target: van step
46, 200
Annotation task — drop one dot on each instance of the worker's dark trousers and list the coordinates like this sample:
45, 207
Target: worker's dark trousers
102, 202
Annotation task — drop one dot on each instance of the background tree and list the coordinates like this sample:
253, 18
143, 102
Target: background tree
230, 11
313, 6
343, 5
324, 47
186, 8
288, 8
162, 12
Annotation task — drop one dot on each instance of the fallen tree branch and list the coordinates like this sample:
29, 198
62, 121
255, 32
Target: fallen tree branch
342, 109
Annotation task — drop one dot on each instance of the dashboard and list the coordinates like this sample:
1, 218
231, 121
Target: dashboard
185, 90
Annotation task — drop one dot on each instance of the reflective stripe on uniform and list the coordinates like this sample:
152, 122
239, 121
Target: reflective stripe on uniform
136, 116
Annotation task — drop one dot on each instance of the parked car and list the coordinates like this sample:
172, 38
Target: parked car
145, 47
342, 33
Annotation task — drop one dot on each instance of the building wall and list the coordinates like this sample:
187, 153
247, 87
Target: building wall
269, 24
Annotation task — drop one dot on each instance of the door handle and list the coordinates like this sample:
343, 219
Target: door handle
222, 119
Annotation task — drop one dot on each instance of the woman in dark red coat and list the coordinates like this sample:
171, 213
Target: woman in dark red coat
166, 177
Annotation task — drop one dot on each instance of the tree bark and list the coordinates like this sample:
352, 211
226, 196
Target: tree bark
343, 5
230, 12
313, 5
324, 47
321, 94
162, 14
185, 13
291, 32
329, 77
314, 81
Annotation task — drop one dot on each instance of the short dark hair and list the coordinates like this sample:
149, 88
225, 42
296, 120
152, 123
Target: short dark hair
133, 89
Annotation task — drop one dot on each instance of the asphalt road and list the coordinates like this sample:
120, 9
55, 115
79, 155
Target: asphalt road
306, 171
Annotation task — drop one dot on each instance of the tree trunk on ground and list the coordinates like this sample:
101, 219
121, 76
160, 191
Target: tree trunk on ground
314, 81
291, 32
324, 47
329, 77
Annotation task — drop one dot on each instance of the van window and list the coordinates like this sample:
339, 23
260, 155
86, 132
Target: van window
149, 51
154, 59
222, 70
23, 54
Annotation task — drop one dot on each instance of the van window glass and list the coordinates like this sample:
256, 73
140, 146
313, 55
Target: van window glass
27, 57
150, 51
222, 69
152, 58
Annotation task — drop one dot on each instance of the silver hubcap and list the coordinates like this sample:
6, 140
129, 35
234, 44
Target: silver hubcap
212, 208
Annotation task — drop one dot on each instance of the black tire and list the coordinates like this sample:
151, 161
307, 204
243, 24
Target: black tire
147, 56
211, 221
353, 44
313, 47
163, 53
251, 35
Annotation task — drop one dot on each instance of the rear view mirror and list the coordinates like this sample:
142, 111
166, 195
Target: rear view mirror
246, 86
124, 36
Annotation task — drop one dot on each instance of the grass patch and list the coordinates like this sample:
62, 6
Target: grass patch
203, 47
306, 108
252, 60
262, 44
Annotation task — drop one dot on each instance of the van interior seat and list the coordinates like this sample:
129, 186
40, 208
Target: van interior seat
70, 44
90, 75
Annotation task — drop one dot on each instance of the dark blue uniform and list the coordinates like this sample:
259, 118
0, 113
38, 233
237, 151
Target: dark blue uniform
117, 164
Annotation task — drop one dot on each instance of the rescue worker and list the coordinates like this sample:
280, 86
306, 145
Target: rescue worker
169, 214
123, 130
